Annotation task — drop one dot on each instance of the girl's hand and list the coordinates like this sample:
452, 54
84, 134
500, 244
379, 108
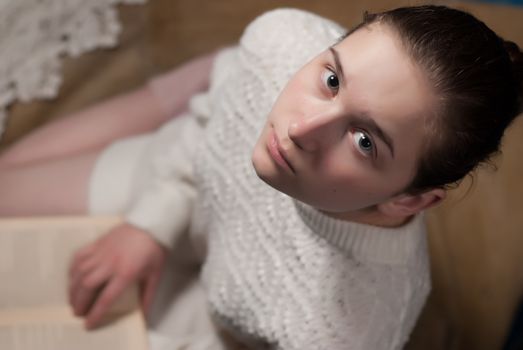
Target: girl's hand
101, 271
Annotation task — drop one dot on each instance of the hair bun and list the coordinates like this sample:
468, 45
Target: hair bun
516, 56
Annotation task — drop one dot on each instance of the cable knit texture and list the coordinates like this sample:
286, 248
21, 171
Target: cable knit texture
278, 273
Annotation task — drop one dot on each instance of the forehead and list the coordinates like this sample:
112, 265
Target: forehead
382, 80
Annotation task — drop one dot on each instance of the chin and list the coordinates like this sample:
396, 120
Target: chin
263, 165
258, 162
268, 178
266, 172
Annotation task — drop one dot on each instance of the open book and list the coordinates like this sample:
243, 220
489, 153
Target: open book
34, 312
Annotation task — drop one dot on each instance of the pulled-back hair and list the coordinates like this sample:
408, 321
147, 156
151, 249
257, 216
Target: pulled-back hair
477, 77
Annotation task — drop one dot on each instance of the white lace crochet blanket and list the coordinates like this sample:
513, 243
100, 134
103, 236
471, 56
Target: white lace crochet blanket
34, 34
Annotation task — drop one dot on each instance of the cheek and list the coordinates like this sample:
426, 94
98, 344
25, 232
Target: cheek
338, 174
347, 175
280, 107
295, 97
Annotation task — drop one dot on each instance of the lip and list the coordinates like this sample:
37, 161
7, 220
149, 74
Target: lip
276, 152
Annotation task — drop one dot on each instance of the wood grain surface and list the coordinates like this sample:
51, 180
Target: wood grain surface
476, 236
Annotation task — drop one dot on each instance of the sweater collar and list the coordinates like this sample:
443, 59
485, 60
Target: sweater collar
367, 242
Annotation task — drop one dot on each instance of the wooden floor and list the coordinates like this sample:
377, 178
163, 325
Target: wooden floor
476, 237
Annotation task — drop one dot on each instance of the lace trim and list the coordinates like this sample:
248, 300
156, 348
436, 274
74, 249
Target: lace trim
35, 34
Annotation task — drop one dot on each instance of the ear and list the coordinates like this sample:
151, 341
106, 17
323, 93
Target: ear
404, 205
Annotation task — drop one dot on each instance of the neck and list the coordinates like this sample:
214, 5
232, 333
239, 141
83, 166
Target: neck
370, 216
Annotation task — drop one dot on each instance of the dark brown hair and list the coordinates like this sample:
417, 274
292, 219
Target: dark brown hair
477, 77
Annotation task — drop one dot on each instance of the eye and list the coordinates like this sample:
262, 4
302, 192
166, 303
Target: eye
331, 81
363, 142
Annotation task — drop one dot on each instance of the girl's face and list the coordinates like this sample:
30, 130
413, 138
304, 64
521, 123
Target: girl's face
347, 130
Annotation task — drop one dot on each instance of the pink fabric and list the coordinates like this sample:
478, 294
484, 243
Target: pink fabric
175, 88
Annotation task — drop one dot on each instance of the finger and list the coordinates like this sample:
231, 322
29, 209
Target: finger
85, 290
150, 286
83, 299
83, 268
78, 273
80, 256
104, 301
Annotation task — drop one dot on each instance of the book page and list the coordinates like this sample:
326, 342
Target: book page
35, 256
34, 313
57, 329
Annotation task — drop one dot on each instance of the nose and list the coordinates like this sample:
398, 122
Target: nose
313, 132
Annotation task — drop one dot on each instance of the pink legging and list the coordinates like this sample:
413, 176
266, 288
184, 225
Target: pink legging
47, 172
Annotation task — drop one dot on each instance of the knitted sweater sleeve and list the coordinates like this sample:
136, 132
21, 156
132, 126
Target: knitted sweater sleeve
163, 207
164, 204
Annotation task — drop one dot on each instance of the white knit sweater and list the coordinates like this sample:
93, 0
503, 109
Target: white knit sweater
278, 273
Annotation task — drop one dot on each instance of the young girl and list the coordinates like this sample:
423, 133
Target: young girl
310, 232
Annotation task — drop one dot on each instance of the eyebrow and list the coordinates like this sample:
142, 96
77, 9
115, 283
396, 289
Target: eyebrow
364, 119
337, 62
367, 122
